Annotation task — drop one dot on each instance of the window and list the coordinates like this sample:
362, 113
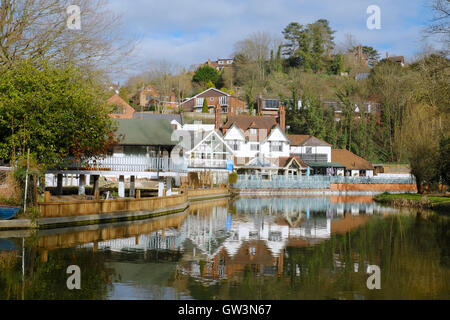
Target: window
253, 132
211, 99
276, 146
272, 104
235, 145
308, 150
254, 147
199, 101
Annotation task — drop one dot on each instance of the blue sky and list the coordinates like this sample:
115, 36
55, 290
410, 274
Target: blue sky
188, 32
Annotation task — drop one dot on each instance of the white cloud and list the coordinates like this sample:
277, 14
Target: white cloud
189, 32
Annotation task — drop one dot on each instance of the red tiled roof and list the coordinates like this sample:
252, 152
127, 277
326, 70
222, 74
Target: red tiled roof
297, 139
245, 122
350, 160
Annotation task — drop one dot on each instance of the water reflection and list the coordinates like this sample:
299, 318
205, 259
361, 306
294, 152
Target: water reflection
251, 248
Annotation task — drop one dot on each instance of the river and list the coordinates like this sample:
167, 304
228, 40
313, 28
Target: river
247, 248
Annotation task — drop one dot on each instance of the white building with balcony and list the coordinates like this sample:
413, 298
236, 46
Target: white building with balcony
255, 137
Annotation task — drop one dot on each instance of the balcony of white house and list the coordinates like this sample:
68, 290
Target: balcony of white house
127, 164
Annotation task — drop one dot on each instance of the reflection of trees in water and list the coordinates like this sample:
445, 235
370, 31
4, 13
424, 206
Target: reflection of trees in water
412, 254
47, 280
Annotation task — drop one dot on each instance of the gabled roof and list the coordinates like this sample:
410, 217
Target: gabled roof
117, 100
210, 89
238, 129
260, 163
302, 140
245, 122
286, 161
218, 135
276, 126
350, 160
147, 132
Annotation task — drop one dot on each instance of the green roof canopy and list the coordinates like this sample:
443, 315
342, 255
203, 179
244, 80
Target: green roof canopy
145, 132
325, 165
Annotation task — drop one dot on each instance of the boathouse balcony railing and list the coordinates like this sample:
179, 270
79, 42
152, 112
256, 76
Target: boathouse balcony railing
310, 182
207, 163
127, 164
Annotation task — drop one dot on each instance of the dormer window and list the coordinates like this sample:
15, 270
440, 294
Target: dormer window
253, 132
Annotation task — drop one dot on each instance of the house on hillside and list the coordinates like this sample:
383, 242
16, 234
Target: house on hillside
397, 59
119, 108
229, 104
219, 64
150, 96
355, 166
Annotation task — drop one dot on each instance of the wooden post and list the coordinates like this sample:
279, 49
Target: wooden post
96, 184
35, 200
132, 186
47, 196
59, 186
138, 194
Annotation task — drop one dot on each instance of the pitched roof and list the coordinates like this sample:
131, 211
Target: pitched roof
205, 94
350, 160
149, 115
146, 132
285, 161
245, 122
297, 139
307, 140
117, 100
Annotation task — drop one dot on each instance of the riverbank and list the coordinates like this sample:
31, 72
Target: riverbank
436, 203
88, 212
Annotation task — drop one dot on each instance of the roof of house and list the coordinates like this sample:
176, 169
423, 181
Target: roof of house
307, 140
285, 161
297, 139
245, 122
146, 132
117, 100
350, 160
149, 115
205, 94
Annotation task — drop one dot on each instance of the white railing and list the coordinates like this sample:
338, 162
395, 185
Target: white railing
128, 164
207, 163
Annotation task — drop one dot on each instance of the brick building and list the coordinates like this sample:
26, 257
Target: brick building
229, 104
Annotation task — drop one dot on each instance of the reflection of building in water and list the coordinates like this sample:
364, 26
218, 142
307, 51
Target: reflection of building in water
257, 236
168, 239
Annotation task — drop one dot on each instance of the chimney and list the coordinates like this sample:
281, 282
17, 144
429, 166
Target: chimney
218, 116
282, 118
387, 55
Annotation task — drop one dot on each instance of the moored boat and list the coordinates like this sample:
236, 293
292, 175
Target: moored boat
8, 212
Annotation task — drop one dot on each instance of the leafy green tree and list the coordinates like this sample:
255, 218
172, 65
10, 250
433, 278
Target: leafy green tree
210, 85
444, 160
337, 65
123, 93
205, 108
56, 112
205, 74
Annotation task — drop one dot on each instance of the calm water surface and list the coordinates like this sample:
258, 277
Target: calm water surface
249, 248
